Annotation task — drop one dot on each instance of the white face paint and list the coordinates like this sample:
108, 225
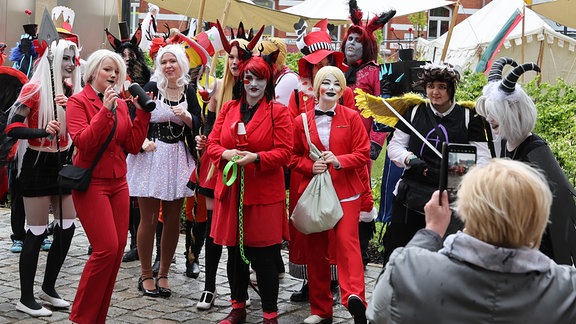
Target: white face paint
254, 87
354, 49
330, 90
68, 63
494, 125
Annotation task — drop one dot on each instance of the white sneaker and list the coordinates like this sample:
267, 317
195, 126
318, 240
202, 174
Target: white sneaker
315, 319
248, 302
32, 312
55, 302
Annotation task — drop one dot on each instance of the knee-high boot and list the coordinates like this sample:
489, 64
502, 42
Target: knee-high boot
197, 232
27, 266
56, 257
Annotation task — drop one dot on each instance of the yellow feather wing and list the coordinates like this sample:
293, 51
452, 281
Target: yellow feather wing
372, 106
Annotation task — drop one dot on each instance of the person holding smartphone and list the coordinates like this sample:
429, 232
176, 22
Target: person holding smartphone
439, 120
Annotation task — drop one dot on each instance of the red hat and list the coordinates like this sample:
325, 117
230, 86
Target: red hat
319, 46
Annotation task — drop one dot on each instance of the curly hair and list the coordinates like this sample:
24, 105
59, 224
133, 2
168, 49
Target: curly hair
443, 73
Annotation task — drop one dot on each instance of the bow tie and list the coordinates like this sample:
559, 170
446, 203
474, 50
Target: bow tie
101, 96
329, 113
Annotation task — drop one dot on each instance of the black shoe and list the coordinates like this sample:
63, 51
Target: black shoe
357, 308
147, 292
335, 289
89, 249
300, 296
131, 255
192, 269
163, 292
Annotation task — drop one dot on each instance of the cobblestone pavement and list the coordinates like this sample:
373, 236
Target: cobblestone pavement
129, 306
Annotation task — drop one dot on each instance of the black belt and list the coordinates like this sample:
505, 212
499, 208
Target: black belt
166, 132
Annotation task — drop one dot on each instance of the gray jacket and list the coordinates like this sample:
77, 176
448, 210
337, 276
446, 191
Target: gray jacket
470, 281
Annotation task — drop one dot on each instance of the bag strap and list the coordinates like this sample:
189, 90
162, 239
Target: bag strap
314, 151
103, 148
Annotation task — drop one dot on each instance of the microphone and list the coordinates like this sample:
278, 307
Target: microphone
143, 99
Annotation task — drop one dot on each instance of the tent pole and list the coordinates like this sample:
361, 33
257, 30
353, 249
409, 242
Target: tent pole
523, 32
119, 5
200, 17
215, 58
449, 35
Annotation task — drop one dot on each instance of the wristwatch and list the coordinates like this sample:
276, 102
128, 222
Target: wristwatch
257, 158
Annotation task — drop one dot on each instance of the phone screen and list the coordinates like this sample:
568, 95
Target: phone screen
461, 157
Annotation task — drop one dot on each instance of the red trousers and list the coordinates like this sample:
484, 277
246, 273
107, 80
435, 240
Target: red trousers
104, 213
348, 260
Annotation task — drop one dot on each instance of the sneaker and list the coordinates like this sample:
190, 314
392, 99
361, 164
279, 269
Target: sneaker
46, 244
16, 246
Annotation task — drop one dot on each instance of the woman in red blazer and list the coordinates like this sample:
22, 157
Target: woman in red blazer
104, 208
338, 132
262, 152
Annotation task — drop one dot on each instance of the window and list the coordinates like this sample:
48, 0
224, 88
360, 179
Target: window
438, 22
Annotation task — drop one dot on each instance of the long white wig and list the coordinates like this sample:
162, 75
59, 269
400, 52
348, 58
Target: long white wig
42, 81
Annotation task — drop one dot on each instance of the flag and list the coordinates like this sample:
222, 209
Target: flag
488, 56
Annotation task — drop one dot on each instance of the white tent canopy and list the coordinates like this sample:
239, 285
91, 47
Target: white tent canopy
552, 51
337, 11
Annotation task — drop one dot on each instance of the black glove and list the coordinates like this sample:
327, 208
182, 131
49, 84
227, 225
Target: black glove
418, 166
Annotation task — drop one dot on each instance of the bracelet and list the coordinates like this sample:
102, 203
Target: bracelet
411, 157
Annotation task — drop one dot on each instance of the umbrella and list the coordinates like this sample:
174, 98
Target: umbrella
240, 10
337, 11
561, 11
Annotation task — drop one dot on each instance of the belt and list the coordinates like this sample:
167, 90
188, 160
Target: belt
166, 132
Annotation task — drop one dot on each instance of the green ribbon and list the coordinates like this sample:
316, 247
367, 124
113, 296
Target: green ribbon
228, 182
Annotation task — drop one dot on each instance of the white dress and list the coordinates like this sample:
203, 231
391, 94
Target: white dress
164, 173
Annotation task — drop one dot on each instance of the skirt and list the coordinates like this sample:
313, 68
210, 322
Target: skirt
39, 173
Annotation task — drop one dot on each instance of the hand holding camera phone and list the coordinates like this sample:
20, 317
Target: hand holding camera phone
457, 159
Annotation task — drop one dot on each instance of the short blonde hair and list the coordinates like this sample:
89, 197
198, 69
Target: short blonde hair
94, 64
505, 203
323, 73
271, 45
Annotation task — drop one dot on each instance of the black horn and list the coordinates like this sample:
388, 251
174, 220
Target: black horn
496, 70
509, 83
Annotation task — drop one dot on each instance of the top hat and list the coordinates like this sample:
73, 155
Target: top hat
319, 46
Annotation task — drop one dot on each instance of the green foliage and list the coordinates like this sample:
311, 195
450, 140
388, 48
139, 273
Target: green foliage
220, 67
292, 60
419, 21
470, 87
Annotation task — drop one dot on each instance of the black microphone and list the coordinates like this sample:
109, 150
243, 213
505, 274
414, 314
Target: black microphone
145, 102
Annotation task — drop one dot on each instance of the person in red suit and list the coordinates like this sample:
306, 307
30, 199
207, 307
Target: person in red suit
104, 209
250, 215
318, 53
338, 132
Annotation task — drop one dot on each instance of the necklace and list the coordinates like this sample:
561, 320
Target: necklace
169, 103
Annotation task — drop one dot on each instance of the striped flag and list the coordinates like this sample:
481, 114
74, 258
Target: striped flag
488, 56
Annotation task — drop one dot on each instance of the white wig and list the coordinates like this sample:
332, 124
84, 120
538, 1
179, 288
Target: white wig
43, 77
509, 106
161, 81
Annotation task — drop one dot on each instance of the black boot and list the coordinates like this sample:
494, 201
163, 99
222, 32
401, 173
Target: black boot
197, 233
132, 254
56, 257
27, 266
302, 295
156, 265
335, 289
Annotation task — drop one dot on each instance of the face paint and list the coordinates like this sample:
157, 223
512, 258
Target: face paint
354, 48
254, 87
68, 63
330, 90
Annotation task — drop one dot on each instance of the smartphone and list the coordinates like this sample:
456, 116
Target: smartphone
457, 159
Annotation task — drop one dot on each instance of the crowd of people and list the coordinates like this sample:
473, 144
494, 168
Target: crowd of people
234, 153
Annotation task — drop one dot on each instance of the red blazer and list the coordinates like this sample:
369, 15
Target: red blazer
348, 141
89, 124
268, 134
308, 104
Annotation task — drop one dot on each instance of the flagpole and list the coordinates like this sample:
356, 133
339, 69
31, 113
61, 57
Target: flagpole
200, 17
449, 35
